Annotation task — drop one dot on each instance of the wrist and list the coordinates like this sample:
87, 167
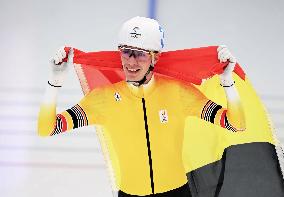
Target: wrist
56, 79
54, 84
50, 95
227, 85
226, 80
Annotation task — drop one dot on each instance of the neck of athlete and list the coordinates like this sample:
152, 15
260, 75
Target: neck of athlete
149, 79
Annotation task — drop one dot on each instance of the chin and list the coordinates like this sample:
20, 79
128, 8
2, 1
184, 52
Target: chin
133, 78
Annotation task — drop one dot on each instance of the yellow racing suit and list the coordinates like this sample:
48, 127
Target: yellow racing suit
144, 128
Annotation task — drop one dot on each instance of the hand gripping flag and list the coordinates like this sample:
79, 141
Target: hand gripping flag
217, 162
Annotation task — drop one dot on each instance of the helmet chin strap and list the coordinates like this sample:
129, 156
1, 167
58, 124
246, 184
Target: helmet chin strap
142, 81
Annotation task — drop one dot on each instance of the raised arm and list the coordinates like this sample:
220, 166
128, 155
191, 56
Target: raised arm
198, 105
49, 122
234, 117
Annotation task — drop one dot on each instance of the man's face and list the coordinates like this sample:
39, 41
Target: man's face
135, 62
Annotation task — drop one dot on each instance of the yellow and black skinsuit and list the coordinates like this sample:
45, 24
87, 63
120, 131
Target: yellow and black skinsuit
144, 128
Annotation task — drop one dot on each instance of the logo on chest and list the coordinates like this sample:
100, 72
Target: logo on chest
163, 116
117, 96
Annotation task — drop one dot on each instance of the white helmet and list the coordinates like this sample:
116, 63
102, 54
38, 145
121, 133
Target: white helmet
141, 32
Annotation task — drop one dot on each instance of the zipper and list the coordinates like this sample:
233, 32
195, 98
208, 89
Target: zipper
148, 145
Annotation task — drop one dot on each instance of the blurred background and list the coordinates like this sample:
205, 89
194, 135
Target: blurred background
32, 30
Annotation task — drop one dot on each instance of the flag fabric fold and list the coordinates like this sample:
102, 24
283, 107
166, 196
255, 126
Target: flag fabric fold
217, 162
104, 67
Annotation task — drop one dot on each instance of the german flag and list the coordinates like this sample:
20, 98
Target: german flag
218, 163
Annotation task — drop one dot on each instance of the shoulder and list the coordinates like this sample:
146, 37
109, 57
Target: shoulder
98, 95
164, 80
101, 91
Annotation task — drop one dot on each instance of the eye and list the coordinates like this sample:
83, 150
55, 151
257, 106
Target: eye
126, 51
141, 54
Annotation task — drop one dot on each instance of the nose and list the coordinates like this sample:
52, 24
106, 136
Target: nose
131, 60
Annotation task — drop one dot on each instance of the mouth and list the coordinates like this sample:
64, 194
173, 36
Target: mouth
133, 70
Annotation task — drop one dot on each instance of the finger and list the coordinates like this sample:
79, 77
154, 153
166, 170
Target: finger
60, 52
62, 55
224, 50
57, 59
225, 56
60, 58
223, 60
222, 57
221, 52
70, 56
52, 60
228, 56
220, 47
62, 48
232, 59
